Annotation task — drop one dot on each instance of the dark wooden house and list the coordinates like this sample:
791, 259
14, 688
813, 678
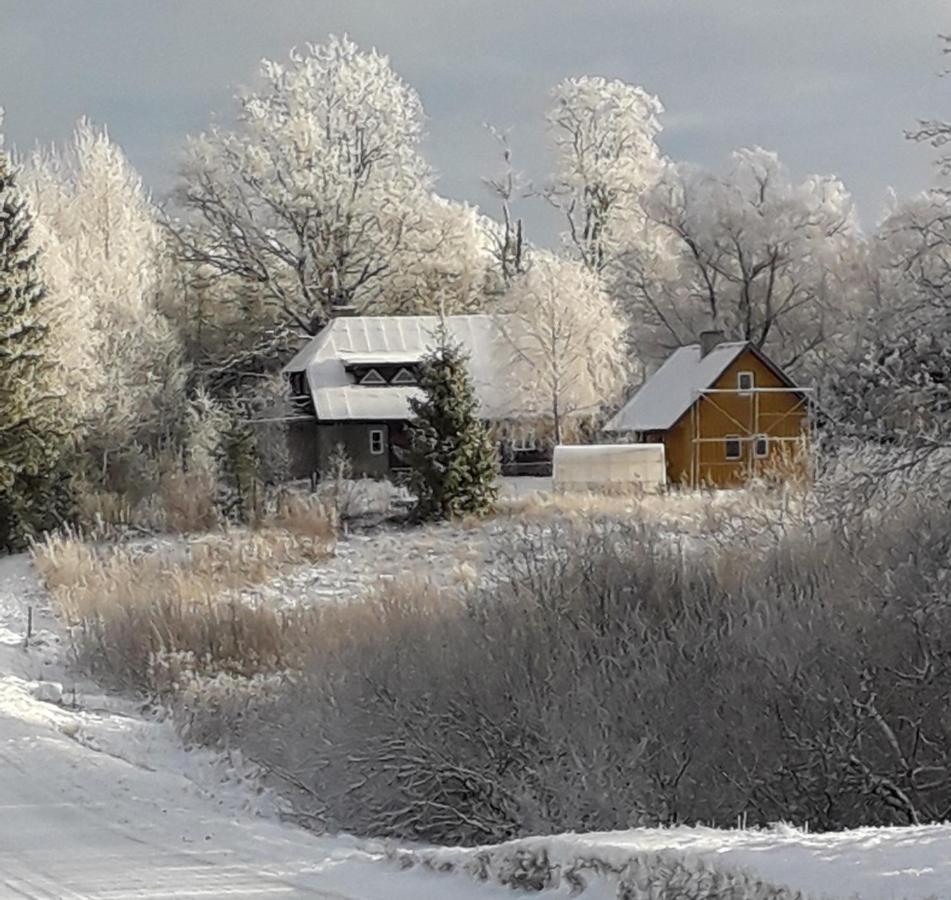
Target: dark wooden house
352, 384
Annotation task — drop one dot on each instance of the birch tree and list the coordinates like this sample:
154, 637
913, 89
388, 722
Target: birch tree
310, 197
566, 341
106, 258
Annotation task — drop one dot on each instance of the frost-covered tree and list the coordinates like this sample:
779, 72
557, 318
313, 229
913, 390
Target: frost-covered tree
32, 437
567, 342
894, 383
604, 134
443, 265
507, 237
453, 460
937, 132
750, 252
310, 198
106, 260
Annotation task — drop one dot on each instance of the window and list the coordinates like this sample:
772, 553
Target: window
523, 443
761, 446
733, 447
296, 380
404, 376
377, 442
745, 382
372, 377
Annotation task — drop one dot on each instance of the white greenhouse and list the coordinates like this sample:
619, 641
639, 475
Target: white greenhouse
598, 467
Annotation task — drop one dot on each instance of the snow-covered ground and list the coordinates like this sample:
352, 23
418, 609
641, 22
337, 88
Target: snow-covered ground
99, 801
864, 864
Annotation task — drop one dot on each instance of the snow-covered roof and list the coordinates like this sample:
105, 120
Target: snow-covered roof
672, 389
337, 404
396, 340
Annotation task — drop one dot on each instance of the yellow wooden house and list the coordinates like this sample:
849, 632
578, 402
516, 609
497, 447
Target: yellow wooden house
725, 414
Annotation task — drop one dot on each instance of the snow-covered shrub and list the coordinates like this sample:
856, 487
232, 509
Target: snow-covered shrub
538, 865
612, 676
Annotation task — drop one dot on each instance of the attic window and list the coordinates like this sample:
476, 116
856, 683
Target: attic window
745, 382
298, 384
372, 377
404, 376
733, 447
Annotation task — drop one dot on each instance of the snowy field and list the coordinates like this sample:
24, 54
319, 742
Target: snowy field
100, 800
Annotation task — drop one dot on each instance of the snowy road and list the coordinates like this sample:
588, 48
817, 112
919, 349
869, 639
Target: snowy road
72, 827
102, 803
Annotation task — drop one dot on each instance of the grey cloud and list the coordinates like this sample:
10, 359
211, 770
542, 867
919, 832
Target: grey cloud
830, 84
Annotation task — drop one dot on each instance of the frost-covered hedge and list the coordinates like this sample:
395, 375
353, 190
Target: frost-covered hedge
614, 677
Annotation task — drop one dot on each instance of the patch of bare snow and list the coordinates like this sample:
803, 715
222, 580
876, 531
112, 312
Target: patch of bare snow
442, 554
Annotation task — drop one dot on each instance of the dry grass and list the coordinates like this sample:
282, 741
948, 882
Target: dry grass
182, 502
694, 512
143, 618
188, 500
304, 515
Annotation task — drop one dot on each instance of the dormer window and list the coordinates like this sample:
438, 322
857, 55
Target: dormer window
372, 377
404, 376
298, 383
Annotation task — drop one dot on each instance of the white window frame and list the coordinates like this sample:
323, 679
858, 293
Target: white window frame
404, 376
756, 442
739, 447
372, 377
745, 392
524, 443
378, 440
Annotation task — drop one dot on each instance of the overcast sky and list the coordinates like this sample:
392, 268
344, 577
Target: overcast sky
829, 84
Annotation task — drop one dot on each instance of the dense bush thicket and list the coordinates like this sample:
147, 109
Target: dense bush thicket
613, 678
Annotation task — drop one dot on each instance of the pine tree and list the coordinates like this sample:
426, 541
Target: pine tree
241, 465
453, 459
32, 487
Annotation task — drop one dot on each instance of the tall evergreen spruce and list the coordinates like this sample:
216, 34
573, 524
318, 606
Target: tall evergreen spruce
32, 493
453, 459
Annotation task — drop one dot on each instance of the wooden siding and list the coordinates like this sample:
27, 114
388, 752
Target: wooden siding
714, 417
311, 445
